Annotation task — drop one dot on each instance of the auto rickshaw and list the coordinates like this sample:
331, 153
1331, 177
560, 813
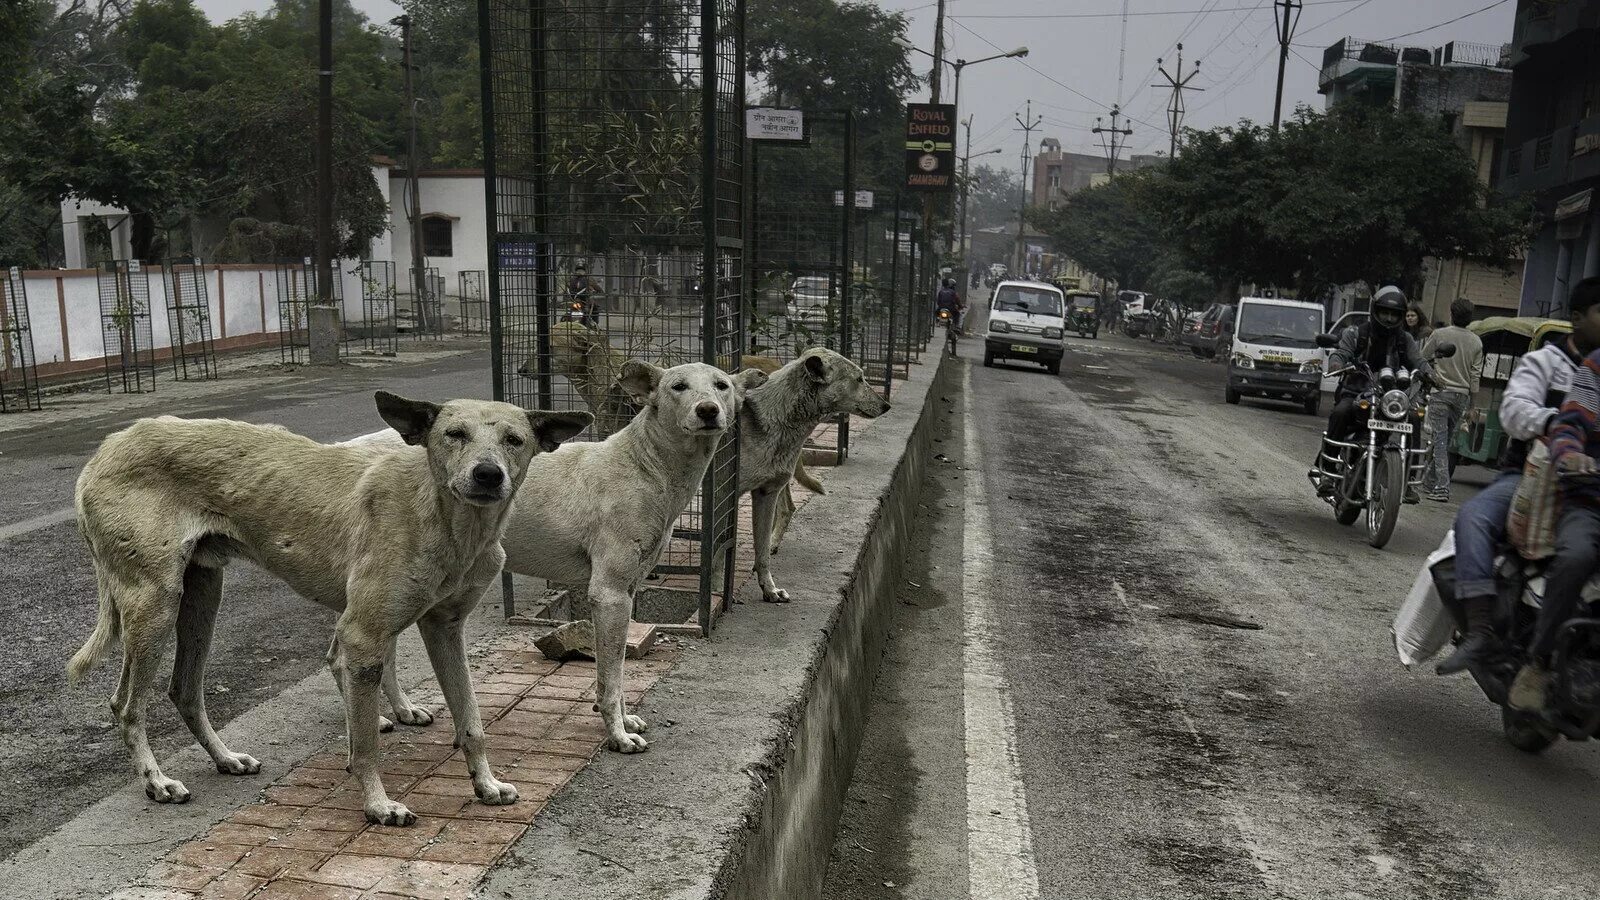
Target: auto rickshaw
1083, 313
1481, 440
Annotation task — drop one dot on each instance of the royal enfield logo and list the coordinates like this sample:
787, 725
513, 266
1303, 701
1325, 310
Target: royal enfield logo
930, 146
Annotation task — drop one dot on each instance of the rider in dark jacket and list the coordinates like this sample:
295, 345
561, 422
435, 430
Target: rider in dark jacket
1380, 342
947, 298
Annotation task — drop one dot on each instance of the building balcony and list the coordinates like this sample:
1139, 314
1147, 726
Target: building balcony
1565, 156
1542, 24
1352, 60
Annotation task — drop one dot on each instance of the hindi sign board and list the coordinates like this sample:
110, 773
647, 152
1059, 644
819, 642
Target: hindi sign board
864, 199
930, 146
766, 123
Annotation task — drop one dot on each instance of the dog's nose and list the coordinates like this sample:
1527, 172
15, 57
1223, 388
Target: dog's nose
488, 475
708, 412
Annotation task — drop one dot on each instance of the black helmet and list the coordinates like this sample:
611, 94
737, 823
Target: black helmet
950, 282
1388, 308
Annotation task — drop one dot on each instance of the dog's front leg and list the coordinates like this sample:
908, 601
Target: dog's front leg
447, 650
405, 712
356, 658
611, 595
763, 503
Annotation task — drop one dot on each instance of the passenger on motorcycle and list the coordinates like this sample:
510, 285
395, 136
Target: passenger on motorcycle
1380, 342
949, 299
1528, 410
1574, 445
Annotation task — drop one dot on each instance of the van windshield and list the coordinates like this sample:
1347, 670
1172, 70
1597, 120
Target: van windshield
1039, 302
1279, 326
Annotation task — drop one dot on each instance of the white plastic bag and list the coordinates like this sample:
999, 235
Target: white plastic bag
1423, 626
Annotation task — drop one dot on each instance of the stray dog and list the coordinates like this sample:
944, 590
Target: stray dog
605, 510
773, 427
587, 360
389, 539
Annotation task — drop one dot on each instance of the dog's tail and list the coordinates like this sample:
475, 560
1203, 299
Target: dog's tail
106, 629
807, 480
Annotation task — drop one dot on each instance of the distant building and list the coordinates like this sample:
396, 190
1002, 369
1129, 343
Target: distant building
1057, 173
1552, 144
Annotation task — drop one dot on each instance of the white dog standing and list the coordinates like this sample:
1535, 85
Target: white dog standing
389, 539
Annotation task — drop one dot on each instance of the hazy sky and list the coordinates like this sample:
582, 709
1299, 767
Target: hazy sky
1071, 73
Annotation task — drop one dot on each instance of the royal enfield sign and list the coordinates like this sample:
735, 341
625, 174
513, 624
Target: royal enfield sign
930, 146
766, 123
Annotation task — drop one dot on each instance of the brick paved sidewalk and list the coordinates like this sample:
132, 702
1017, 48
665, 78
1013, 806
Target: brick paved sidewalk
308, 840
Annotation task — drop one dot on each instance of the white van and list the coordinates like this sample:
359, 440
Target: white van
1275, 353
1027, 320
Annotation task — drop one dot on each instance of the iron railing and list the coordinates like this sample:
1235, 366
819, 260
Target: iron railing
19, 368
125, 326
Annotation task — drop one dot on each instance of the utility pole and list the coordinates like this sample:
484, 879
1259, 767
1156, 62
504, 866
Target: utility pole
1029, 124
1111, 138
1175, 105
964, 186
419, 285
938, 53
322, 323
1287, 14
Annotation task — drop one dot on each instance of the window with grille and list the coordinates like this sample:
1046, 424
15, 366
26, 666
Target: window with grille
436, 236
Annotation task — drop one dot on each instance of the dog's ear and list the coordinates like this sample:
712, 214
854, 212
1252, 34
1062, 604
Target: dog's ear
816, 367
639, 379
750, 379
550, 429
412, 418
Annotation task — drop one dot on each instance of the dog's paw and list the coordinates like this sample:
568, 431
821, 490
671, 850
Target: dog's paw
492, 792
162, 789
388, 812
627, 743
633, 724
385, 725
775, 595
414, 715
238, 764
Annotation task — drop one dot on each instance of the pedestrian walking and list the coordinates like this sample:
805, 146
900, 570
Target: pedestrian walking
1455, 382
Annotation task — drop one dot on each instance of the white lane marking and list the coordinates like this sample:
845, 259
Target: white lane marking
18, 529
49, 519
999, 834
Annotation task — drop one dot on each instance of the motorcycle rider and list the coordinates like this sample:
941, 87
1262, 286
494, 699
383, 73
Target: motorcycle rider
949, 299
1528, 411
583, 289
1380, 342
1574, 444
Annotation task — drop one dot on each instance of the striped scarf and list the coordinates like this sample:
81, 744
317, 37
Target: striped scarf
1575, 429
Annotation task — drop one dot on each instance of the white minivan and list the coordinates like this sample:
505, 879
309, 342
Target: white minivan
1275, 353
1027, 320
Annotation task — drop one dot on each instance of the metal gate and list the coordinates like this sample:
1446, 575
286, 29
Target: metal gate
189, 320
803, 205
125, 326
297, 293
474, 300
19, 370
613, 137
379, 328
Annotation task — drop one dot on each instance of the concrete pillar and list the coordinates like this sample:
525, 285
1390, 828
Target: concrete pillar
1558, 285
1591, 256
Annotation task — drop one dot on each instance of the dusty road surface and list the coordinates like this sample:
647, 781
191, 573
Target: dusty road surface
58, 749
1052, 722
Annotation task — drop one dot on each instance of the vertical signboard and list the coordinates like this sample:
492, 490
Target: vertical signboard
930, 147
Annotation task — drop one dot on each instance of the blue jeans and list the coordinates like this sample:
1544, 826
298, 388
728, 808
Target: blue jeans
1445, 409
1480, 530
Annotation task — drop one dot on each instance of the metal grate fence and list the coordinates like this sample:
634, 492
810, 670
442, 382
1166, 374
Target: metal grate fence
125, 326
19, 368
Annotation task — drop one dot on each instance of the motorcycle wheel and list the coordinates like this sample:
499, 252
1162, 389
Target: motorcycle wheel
1525, 732
1388, 493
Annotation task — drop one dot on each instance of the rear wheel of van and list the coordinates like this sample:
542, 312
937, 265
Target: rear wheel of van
1230, 395
1053, 368
988, 359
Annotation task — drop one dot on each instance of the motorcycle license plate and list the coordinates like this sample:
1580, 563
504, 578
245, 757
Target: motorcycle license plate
1381, 425
1023, 348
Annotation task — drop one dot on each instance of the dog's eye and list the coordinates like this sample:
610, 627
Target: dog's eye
456, 434
722, 385
680, 386
513, 440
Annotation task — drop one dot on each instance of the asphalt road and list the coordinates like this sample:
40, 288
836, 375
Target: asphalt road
58, 749
1049, 725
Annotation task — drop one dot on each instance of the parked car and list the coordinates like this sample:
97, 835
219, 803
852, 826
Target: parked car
809, 299
1212, 333
1135, 312
1027, 321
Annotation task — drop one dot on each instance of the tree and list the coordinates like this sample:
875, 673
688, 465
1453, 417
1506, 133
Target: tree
993, 198
1108, 228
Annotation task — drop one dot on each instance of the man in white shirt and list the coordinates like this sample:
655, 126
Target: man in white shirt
1455, 380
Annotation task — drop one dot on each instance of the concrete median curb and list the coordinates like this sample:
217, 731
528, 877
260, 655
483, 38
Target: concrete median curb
754, 734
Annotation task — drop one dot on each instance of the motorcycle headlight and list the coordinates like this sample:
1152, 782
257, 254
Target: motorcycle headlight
1311, 367
999, 325
1052, 332
1394, 404
1243, 362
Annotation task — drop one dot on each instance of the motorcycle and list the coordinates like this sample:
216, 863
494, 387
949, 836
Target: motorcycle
1371, 472
1574, 694
948, 320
